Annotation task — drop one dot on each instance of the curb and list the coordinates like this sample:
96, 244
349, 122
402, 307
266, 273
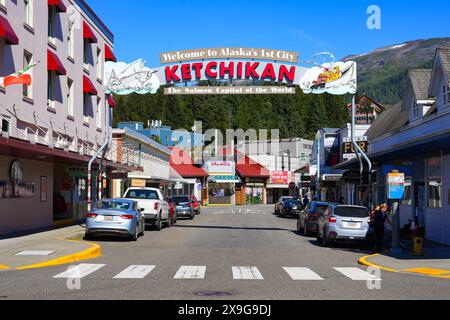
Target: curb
91, 253
429, 272
3, 267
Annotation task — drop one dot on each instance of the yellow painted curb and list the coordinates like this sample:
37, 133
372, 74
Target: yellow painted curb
94, 252
3, 267
433, 273
363, 261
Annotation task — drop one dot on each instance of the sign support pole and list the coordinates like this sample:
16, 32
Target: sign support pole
396, 248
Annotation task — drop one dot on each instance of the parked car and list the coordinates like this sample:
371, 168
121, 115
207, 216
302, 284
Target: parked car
116, 217
196, 205
280, 204
308, 218
156, 210
172, 214
183, 207
291, 207
343, 222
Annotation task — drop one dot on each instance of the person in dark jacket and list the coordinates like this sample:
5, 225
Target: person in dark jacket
379, 219
305, 201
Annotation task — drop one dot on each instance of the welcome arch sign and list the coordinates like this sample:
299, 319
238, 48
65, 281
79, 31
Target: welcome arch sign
232, 70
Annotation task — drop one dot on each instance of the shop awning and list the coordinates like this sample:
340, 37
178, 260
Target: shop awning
54, 64
88, 33
183, 164
109, 54
247, 168
60, 7
88, 87
111, 101
7, 32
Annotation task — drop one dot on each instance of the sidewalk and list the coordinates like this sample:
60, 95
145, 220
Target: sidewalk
435, 262
46, 249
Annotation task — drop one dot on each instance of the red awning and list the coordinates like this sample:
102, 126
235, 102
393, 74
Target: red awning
60, 7
247, 168
88, 87
111, 101
183, 164
88, 33
7, 32
54, 64
109, 54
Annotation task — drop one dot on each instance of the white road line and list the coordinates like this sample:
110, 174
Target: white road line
357, 274
135, 272
247, 273
80, 271
35, 253
191, 272
303, 274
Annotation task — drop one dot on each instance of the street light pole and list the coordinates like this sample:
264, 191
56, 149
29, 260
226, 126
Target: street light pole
318, 139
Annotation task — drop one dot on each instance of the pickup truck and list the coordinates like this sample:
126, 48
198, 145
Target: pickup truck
155, 209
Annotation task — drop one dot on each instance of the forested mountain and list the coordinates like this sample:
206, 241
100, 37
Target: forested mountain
298, 115
382, 72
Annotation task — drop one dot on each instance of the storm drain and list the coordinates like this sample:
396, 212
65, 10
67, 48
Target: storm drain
213, 294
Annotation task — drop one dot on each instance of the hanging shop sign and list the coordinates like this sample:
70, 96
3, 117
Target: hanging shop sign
348, 148
280, 177
232, 71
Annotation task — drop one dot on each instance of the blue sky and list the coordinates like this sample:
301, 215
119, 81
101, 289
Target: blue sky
144, 29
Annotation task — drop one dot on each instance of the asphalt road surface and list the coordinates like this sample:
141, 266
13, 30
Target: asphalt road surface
225, 253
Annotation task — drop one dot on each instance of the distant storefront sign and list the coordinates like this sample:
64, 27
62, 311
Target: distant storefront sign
138, 183
279, 177
348, 148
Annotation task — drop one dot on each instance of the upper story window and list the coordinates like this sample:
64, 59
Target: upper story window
70, 40
416, 110
99, 64
51, 24
70, 96
27, 61
446, 94
28, 12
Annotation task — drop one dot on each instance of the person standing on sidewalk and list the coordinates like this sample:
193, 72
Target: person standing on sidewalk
380, 217
305, 201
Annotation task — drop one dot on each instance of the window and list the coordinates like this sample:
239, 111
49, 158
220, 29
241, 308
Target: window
70, 40
86, 54
70, 97
99, 112
407, 199
28, 12
51, 24
99, 64
444, 94
5, 126
50, 86
86, 98
434, 167
27, 61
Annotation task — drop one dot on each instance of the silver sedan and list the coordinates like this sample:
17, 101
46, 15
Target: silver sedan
116, 217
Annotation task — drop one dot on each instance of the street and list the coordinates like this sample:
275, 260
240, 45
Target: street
225, 253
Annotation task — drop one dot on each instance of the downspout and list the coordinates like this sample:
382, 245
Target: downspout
102, 149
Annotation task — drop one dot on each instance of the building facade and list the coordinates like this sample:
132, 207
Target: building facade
53, 127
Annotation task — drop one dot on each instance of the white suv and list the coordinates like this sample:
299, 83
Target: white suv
151, 200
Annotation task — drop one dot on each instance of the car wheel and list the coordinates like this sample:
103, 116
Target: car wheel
299, 226
158, 224
135, 237
318, 238
143, 229
87, 236
305, 230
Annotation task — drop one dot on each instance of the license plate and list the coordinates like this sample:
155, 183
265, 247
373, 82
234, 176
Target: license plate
109, 218
353, 225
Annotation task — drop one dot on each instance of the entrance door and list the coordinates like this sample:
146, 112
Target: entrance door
420, 203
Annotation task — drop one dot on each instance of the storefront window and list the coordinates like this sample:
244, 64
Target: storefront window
220, 193
434, 167
407, 199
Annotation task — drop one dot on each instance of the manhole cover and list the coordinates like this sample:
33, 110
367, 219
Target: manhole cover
213, 294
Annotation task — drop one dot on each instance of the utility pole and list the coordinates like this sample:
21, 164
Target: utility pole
318, 139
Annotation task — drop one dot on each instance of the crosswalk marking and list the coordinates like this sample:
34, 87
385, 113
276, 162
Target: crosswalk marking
303, 274
80, 271
357, 274
247, 273
135, 272
191, 272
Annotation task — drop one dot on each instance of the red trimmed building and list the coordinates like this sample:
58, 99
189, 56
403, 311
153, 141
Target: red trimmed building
51, 128
254, 177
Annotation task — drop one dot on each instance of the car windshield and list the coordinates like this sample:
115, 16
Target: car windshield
142, 194
113, 205
178, 200
351, 212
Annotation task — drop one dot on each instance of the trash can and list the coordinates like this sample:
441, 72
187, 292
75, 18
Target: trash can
418, 246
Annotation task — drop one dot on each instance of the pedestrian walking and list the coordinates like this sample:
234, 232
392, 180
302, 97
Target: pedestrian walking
379, 219
305, 201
